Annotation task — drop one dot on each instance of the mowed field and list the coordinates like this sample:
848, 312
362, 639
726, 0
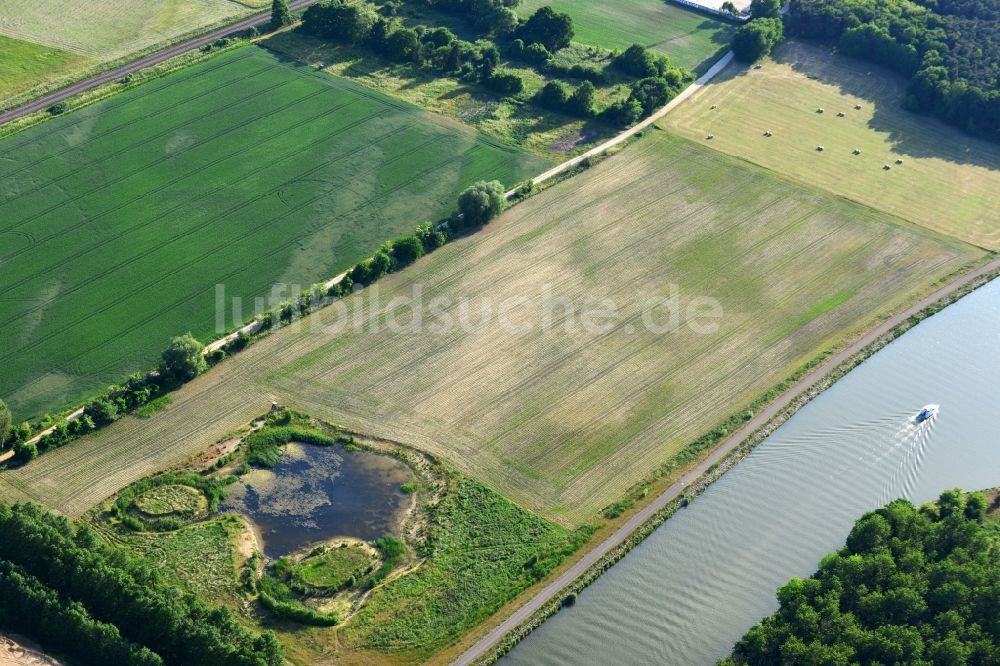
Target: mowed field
948, 181
24, 64
563, 417
118, 221
81, 34
690, 39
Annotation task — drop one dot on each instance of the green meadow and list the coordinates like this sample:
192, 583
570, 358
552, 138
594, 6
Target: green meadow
118, 221
691, 40
23, 64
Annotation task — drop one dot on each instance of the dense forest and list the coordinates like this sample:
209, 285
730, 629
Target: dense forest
912, 586
64, 588
949, 50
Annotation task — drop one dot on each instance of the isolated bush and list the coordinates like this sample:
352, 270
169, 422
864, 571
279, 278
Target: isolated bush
406, 250
481, 202
622, 113
182, 361
25, 452
59, 108
350, 23
547, 27
552, 96
651, 93
403, 44
505, 83
581, 102
578, 71
765, 8
638, 61
280, 15
102, 412
537, 54
755, 39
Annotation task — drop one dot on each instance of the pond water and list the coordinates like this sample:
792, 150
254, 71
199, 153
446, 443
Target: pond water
316, 493
694, 587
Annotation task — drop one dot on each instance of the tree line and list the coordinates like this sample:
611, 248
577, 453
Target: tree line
62, 586
180, 362
533, 40
911, 586
948, 49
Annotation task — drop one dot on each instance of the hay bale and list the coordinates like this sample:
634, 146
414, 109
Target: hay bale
899, 161
886, 167
712, 108
857, 107
819, 110
841, 114
710, 137
856, 151
820, 149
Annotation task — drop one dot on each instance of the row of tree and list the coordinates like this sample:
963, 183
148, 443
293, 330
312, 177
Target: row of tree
185, 359
533, 40
437, 48
124, 592
949, 49
181, 361
912, 586
30, 608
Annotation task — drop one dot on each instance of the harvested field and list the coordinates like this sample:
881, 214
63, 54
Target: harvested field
691, 40
947, 180
61, 37
560, 418
108, 29
118, 221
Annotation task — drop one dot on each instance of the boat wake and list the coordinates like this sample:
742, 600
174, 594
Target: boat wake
911, 441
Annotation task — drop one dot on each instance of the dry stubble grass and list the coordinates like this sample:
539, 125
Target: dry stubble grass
563, 422
949, 181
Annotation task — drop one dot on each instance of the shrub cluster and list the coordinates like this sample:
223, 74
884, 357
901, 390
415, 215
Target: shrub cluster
296, 612
436, 48
756, 38
392, 551
180, 362
263, 446
212, 488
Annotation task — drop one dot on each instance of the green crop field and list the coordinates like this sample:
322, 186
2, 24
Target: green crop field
23, 64
118, 221
560, 419
948, 181
691, 40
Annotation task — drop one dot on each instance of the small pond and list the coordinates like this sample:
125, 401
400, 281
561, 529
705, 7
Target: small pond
316, 493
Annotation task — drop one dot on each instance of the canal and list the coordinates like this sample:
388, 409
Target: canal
694, 586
